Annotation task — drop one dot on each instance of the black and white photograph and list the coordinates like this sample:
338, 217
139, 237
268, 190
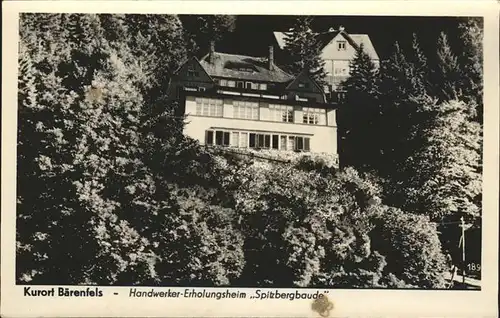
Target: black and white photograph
244, 151
251, 151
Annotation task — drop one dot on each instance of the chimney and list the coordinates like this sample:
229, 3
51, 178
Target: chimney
341, 28
211, 52
270, 61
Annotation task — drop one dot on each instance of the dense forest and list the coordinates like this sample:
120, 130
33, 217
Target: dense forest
110, 191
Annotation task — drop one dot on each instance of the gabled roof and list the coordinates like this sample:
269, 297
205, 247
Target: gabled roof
243, 67
196, 61
326, 37
306, 73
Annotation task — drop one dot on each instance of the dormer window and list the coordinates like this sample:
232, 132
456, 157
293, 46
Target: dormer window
191, 72
249, 70
240, 85
341, 45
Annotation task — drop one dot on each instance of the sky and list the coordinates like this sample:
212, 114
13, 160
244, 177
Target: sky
253, 34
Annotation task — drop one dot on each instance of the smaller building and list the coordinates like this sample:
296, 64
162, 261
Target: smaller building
249, 102
338, 50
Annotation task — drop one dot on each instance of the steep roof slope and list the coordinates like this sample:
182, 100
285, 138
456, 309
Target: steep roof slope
243, 67
326, 37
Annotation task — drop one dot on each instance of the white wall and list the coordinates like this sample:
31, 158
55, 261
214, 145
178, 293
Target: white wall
323, 138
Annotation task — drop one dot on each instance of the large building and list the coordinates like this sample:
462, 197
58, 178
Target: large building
249, 102
338, 49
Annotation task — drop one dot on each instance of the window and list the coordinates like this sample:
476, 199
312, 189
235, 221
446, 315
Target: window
201, 89
341, 45
283, 142
260, 141
341, 71
222, 138
243, 140
239, 84
341, 68
281, 113
191, 72
219, 135
252, 143
275, 141
248, 85
225, 140
209, 137
263, 86
246, 110
255, 86
209, 107
302, 143
303, 85
314, 116
223, 82
267, 141
291, 143
231, 83
235, 139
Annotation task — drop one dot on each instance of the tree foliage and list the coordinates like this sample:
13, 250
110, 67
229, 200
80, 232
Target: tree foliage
89, 203
303, 50
203, 29
446, 170
358, 116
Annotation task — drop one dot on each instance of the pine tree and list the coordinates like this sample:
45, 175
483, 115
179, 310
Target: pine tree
419, 67
303, 51
203, 29
401, 87
471, 64
447, 72
358, 116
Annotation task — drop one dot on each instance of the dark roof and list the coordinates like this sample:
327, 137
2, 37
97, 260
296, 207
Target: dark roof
243, 67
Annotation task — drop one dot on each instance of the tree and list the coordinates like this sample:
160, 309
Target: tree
419, 67
90, 206
402, 86
447, 72
471, 61
203, 29
79, 118
411, 246
303, 50
359, 114
445, 172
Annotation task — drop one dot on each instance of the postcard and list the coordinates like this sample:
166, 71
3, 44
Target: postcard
250, 159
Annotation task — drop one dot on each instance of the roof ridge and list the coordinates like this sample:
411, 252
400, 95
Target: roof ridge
241, 55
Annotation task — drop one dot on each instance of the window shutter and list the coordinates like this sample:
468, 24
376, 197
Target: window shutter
226, 139
307, 144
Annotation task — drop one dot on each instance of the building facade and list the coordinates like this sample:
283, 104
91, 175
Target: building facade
338, 50
249, 102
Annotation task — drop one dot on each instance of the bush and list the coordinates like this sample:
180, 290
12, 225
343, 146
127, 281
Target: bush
310, 230
412, 248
